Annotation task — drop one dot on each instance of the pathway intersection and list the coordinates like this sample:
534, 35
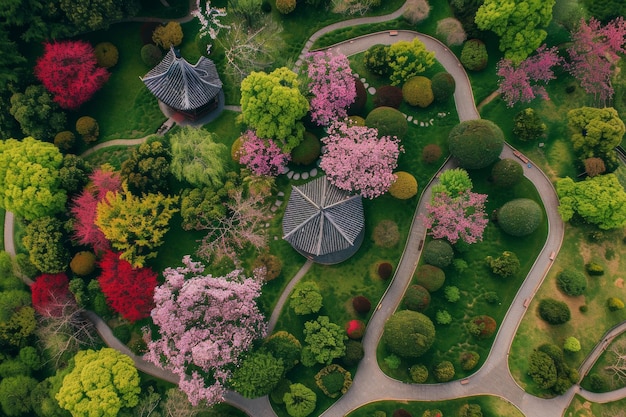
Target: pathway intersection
370, 384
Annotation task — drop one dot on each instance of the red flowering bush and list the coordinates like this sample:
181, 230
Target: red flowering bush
50, 293
355, 329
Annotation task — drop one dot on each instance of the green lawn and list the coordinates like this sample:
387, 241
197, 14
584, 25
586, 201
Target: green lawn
579, 407
607, 358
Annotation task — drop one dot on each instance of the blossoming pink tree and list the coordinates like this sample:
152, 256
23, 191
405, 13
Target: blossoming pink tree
357, 160
209, 18
455, 218
205, 325
262, 156
332, 85
520, 83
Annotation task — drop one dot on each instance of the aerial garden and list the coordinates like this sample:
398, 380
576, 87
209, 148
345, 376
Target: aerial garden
147, 271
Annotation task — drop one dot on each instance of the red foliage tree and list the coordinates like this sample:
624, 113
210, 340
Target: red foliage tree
70, 72
84, 209
128, 291
50, 292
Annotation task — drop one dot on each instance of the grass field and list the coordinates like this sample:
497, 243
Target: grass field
580, 407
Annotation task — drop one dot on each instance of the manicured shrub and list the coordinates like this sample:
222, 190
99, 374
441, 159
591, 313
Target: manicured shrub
594, 268
418, 91
307, 151
386, 234
405, 186
450, 30
506, 173
482, 327
528, 126
431, 153
443, 317
505, 265
401, 412
285, 346
83, 263
452, 293
151, 54
355, 329
168, 35
443, 86
375, 59
409, 334
88, 128
572, 282
385, 270
554, 311
64, 140
615, 304
360, 100
474, 55
271, 264
419, 373
354, 353
438, 253
520, 217
430, 277
361, 304
106, 54
469, 360
285, 6
300, 400
444, 371
333, 380
476, 143
388, 121
356, 121
416, 298
392, 361
571, 344
416, 11
388, 96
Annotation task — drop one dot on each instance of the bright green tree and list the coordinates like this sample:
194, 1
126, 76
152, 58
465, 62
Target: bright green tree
257, 375
38, 115
198, 158
600, 200
272, 105
505, 265
518, 23
100, 384
408, 59
15, 395
453, 182
325, 340
135, 225
306, 298
44, 241
29, 178
595, 132
300, 400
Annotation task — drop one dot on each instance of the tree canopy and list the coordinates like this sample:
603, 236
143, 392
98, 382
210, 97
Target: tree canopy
198, 158
409, 333
595, 132
476, 143
407, 59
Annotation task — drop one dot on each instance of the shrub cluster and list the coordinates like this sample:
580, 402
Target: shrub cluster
438, 253
88, 128
572, 282
375, 59
554, 311
355, 329
64, 140
615, 303
271, 263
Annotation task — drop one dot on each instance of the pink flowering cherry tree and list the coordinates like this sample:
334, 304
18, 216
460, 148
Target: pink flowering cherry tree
263, 157
205, 325
332, 85
453, 218
357, 160
521, 83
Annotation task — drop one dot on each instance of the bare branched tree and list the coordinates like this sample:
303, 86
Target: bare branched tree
617, 368
177, 404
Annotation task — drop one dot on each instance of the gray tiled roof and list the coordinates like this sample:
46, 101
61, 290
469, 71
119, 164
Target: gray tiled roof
321, 219
181, 85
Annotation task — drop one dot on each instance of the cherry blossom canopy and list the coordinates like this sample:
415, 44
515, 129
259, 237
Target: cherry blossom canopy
323, 222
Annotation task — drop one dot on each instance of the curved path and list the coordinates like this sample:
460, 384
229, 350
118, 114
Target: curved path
370, 384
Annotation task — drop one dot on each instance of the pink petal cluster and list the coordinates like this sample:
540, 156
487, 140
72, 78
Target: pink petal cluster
356, 159
519, 83
461, 217
332, 85
262, 156
205, 324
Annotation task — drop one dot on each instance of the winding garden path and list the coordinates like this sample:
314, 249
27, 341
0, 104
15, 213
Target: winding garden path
370, 384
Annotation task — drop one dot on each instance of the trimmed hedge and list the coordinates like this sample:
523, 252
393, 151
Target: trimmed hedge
554, 311
404, 187
430, 277
388, 121
388, 96
520, 217
438, 253
418, 91
476, 143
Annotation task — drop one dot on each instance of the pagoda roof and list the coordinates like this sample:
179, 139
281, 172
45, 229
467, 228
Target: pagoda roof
183, 86
321, 219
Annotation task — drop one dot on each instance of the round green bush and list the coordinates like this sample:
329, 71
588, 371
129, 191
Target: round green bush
469, 360
88, 128
572, 282
388, 96
554, 311
64, 140
409, 334
430, 277
506, 173
418, 91
438, 253
404, 187
431, 153
476, 143
307, 151
571, 344
474, 55
520, 217
151, 54
360, 100
444, 371
443, 86
375, 59
83, 263
416, 298
106, 54
354, 353
388, 121
419, 373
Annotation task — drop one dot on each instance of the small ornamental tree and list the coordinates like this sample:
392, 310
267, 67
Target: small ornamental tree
462, 217
505, 265
262, 156
43, 239
205, 324
554, 311
285, 6
332, 84
69, 70
283, 345
407, 59
356, 160
430, 277
306, 298
444, 371
474, 55
325, 340
49, 293
416, 298
128, 291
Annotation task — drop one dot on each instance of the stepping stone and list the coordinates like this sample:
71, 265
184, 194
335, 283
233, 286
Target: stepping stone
422, 124
267, 225
278, 203
290, 174
431, 122
363, 80
305, 175
313, 172
408, 119
280, 194
371, 90
366, 85
296, 176
415, 122
274, 208
355, 74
